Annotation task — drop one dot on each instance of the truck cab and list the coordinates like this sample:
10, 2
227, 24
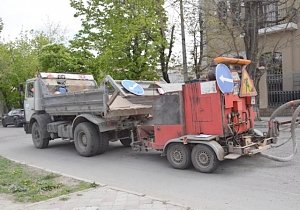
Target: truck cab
52, 84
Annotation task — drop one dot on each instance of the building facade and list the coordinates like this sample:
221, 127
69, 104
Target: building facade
278, 39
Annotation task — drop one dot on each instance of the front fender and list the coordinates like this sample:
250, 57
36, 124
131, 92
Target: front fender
42, 120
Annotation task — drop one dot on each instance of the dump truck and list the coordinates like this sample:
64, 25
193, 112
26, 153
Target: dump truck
199, 122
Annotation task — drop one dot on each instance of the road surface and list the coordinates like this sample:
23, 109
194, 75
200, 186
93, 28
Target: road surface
246, 183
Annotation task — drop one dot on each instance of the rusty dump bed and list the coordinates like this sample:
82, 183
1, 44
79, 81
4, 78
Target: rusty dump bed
110, 99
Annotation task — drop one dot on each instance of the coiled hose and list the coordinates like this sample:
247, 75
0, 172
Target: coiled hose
273, 132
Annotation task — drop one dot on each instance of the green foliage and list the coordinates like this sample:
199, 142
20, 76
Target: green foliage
1, 25
18, 62
59, 58
31, 185
125, 34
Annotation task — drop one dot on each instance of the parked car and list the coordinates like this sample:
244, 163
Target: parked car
14, 117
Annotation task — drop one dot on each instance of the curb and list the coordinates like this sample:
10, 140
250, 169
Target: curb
101, 185
58, 197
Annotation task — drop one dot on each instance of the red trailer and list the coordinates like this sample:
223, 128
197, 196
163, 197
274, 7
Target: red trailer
205, 123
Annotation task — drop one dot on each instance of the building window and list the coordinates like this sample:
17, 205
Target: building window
222, 10
271, 12
276, 13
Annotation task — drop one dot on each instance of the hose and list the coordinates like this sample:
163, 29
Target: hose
293, 132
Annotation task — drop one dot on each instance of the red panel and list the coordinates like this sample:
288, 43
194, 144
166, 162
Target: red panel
246, 113
202, 111
229, 101
164, 133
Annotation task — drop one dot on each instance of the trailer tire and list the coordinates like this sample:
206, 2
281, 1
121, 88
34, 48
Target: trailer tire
204, 159
86, 139
179, 155
126, 142
103, 143
38, 139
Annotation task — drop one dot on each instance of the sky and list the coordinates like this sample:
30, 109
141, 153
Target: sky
25, 15
22, 15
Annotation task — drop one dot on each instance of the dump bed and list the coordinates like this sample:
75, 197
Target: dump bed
110, 99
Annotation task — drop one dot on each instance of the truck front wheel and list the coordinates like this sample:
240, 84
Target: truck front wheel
86, 139
37, 137
179, 155
204, 159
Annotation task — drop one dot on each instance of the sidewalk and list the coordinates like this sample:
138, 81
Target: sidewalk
100, 198
261, 123
103, 197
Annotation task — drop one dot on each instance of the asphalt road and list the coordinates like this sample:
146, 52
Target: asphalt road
246, 183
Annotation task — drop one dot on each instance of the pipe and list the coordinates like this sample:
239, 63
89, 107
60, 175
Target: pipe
293, 133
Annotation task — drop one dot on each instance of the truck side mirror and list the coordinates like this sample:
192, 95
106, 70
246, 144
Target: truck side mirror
21, 89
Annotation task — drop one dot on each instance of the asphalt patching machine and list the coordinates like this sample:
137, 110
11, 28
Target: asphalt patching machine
199, 122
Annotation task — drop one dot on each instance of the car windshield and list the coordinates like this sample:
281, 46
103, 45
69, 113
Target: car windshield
16, 112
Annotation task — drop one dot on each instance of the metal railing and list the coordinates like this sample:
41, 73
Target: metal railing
276, 93
277, 98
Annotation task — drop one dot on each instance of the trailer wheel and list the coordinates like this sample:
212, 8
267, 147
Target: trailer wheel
204, 159
37, 137
86, 139
179, 155
126, 142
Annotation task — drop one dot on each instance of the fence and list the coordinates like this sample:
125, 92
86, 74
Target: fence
276, 94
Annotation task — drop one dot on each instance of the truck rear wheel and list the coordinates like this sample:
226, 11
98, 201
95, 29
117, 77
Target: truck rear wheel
103, 143
179, 155
37, 137
204, 159
86, 139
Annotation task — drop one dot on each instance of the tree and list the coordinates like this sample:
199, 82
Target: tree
257, 15
1, 25
196, 29
17, 63
19, 60
127, 36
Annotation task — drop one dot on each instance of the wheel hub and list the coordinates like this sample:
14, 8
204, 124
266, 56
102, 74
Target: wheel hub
177, 156
36, 135
84, 139
203, 158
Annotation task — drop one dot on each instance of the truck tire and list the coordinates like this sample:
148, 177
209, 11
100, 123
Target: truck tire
103, 143
179, 155
126, 142
86, 139
204, 159
39, 141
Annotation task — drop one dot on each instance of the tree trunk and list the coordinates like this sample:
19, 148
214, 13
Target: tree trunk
251, 34
185, 72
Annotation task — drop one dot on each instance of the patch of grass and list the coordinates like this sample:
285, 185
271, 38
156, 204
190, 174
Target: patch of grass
93, 184
29, 184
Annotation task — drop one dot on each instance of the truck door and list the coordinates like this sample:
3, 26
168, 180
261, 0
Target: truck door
29, 100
